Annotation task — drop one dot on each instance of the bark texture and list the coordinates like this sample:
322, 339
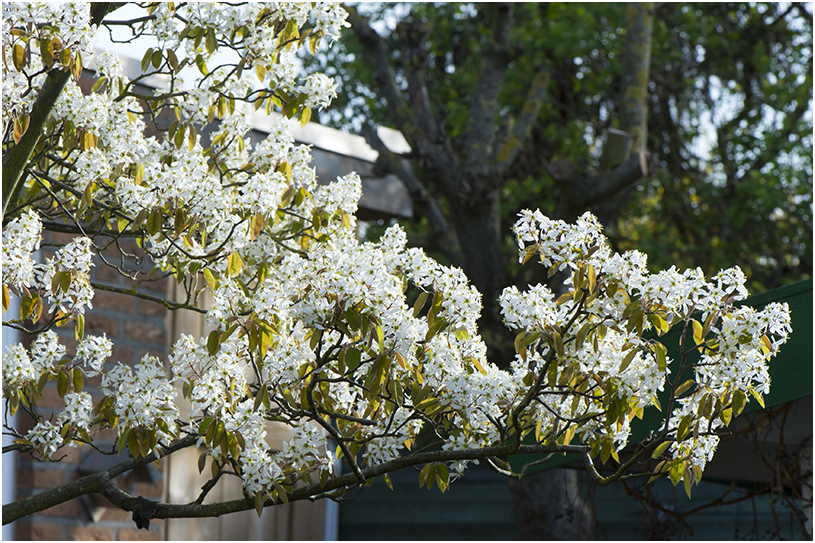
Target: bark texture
548, 507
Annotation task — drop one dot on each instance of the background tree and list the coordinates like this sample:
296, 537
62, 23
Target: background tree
547, 105
729, 121
313, 328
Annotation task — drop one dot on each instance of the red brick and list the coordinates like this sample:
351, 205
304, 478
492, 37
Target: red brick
161, 287
113, 513
125, 355
38, 531
70, 508
24, 424
107, 434
138, 535
152, 309
107, 274
149, 490
61, 238
145, 331
97, 325
95, 381
89, 533
48, 478
50, 399
71, 455
104, 299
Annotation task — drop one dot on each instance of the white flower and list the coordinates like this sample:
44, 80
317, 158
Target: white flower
94, 350
78, 410
46, 438
320, 89
21, 237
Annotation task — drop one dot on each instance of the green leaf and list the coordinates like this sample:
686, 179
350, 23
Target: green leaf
78, 379
581, 336
698, 336
419, 304
442, 477
684, 426
6, 298
154, 221
675, 472
79, 327
726, 415
353, 357
660, 450
62, 383
211, 282
98, 84
281, 492
260, 71
305, 116
387, 480
759, 398
156, 58
684, 387
234, 264
426, 475
739, 401
659, 323
178, 139
380, 336
259, 500
213, 341
662, 360
627, 359
47, 52
558, 341
210, 41
172, 59
18, 57
316, 336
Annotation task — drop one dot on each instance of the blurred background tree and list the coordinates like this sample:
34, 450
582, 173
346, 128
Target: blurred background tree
534, 105
729, 126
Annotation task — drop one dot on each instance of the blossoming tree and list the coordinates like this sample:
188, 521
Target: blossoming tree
313, 328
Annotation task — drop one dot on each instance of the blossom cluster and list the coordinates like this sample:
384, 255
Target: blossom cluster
616, 292
365, 343
63, 26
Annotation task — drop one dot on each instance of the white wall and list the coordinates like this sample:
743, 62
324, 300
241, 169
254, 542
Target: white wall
10, 337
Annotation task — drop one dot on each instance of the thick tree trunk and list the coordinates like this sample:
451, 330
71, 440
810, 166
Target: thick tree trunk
477, 227
548, 507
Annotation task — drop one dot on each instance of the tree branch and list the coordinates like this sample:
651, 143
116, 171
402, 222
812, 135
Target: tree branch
513, 143
377, 55
423, 203
412, 36
17, 157
97, 482
480, 135
636, 72
350, 479
102, 483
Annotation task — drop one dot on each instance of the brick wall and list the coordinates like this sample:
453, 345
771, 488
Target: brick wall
136, 327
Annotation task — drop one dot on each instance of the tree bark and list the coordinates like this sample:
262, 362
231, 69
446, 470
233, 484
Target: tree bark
548, 507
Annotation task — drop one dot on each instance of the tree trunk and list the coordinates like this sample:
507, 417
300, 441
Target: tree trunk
548, 507
477, 227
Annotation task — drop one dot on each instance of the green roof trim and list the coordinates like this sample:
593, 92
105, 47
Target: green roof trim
790, 370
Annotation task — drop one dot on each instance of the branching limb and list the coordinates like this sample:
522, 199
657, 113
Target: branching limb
423, 202
508, 149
